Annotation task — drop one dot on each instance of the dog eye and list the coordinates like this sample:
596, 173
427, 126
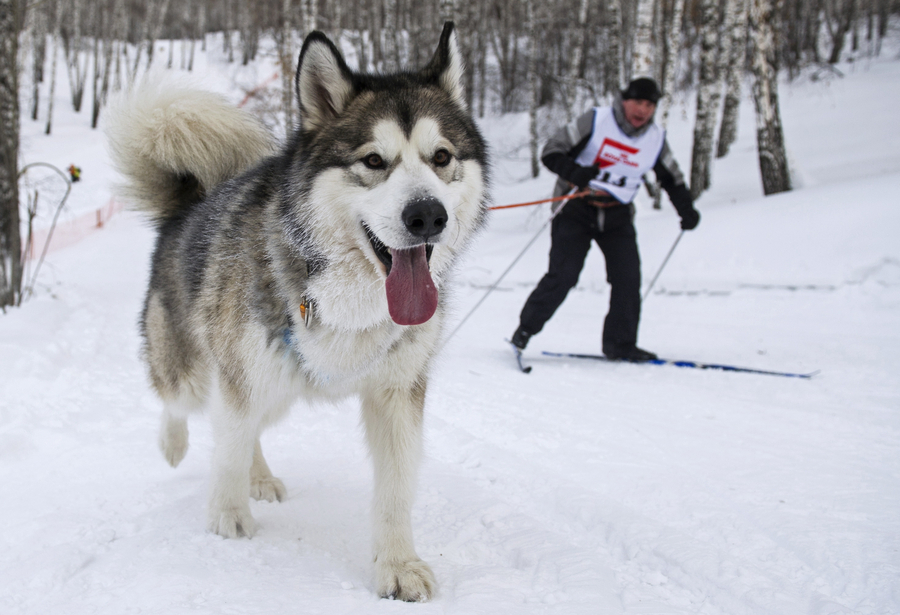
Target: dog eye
373, 161
442, 158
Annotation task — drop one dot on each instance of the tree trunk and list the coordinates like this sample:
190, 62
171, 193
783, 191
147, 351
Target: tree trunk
286, 54
156, 28
707, 100
612, 71
673, 48
736, 30
54, 53
95, 84
10, 240
533, 86
310, 15
374, 26
77, 69
390, 45
482, 36
773, 164
577, 46
642, 57
120, 37
249, 32
839, 16
447, 10
38, 18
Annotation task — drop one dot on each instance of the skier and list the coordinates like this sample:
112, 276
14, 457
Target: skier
607, 149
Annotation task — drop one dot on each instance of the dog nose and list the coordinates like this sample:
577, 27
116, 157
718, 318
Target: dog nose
425, 218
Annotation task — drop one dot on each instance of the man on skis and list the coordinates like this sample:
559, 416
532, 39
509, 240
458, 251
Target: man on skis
607, 150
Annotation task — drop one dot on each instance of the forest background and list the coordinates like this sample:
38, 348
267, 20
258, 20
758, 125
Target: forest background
553, 59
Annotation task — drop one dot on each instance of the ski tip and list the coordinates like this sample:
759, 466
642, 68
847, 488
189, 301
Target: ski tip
525, 369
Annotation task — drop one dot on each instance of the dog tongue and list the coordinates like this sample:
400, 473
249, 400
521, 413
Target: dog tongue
411, 294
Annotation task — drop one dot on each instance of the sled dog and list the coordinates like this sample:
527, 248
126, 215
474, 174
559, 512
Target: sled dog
313, 269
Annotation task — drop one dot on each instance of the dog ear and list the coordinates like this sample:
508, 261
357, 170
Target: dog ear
446, 67
324, 83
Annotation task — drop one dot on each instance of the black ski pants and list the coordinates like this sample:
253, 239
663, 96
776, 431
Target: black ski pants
571, 233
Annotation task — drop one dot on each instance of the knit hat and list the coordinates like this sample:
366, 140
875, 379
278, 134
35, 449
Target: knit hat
643, 88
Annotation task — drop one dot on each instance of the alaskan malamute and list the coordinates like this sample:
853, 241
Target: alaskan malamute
316, 269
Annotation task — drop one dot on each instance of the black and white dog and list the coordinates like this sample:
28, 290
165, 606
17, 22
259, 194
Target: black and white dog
313, 270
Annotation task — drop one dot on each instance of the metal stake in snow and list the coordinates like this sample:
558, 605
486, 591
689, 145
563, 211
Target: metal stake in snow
666, 260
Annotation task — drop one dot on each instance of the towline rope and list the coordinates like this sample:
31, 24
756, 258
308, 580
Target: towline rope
564, 197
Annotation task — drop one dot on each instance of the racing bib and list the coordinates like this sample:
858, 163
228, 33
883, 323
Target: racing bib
623, 160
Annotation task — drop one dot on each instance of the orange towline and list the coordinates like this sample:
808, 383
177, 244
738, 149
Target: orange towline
565, 197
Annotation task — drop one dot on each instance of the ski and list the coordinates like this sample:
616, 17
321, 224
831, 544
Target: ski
525, 369
678, 363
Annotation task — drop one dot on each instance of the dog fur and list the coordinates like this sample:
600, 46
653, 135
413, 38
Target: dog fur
302, 270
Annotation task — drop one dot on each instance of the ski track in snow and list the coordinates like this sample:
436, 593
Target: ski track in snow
580, 488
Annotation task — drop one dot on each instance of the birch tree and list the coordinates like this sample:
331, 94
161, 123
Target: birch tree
642, 64
531, 28
481, 37
570, 86
54, 52
505, 47
773, 163
156, 28
72, 43
10, 240
38, 29
310, 15
390, 47
286, 58
101, 81
840, 17
701, 156
612, 70
447, 10
673, 47
249, 33
736, 31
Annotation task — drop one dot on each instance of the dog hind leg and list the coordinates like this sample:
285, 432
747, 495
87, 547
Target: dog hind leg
173, 435
393, 420
173, 430
178, 373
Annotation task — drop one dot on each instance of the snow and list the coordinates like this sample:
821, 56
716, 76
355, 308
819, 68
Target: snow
581, 488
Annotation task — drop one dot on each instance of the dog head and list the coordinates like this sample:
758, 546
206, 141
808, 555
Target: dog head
395, 169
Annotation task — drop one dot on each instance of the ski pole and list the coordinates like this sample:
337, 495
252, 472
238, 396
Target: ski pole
661, 267
508, 269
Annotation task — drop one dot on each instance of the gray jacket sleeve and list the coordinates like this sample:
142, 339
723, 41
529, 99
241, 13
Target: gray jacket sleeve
672, 180
561, 149
574, 133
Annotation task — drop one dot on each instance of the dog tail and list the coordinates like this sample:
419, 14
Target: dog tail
174, 143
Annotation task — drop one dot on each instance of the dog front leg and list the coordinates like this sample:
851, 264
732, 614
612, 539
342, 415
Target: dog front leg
235, 437
393, 420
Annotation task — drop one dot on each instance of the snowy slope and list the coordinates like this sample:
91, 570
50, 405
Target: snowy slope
580, 488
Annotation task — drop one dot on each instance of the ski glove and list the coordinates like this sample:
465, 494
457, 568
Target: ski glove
569, 170
582, 176
690, 218
684, 205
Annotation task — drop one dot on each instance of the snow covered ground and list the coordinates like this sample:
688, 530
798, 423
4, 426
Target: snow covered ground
580, 488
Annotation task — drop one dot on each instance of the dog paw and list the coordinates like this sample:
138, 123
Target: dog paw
173, 441
269, 489
232, 523
410, 581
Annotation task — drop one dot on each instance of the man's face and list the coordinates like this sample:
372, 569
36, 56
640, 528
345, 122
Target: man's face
638, 112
